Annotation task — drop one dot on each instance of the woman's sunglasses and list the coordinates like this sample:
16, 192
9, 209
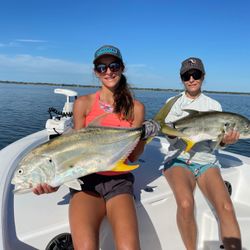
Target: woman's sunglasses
196, 74
102, 68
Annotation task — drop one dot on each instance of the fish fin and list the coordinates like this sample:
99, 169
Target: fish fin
97, 121
220, 137
163, 112
149, 139
75, 184
122, 166
80, 181
216, 145
167, 130
174, 132
189, 143
228, 126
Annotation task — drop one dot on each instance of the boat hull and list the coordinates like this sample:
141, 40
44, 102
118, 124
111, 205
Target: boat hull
30, 222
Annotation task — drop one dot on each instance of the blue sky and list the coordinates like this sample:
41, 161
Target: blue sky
54, 40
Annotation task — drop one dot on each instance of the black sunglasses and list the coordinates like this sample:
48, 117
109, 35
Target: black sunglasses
196, 74
102, 68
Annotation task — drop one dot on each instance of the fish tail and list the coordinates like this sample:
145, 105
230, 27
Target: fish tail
121, 166
189, 143
149, 139
163, 112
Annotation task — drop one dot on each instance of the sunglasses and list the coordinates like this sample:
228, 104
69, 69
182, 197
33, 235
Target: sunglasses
196, 74
102, 68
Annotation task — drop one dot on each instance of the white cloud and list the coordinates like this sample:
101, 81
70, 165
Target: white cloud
30, 41
10, 44
21, 42
38, 63
43, 69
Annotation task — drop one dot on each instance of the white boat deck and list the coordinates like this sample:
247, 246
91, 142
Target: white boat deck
30, 222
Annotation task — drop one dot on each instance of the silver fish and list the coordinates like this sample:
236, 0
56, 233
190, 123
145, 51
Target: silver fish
65, 158
212, 125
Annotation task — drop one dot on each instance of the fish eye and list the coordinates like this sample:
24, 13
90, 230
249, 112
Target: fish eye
20, 171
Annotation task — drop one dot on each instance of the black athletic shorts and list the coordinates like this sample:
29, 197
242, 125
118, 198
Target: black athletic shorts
107, 186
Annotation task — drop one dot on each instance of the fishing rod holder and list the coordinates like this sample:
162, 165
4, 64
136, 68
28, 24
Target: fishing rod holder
62, 120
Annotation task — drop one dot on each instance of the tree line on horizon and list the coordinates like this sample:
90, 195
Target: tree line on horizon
136, 88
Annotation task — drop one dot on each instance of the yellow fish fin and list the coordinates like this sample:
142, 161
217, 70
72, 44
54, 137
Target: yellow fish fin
189, 143
97, 121
163, 112
149, 139
122, 166
167, 130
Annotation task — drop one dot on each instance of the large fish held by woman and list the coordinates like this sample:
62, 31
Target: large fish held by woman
65, 158
202, 126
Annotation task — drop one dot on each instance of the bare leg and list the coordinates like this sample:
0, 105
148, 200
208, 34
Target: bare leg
122, 216
213, 187
86, 212
182, 182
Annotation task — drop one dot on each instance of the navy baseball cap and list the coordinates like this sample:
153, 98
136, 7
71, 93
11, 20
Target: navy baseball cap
107, 50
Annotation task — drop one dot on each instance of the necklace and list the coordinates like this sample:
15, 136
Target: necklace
106, 107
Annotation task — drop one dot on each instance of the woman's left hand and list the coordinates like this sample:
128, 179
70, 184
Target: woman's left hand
231, 137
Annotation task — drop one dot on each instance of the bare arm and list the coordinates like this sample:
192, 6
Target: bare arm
79, 112
139, 116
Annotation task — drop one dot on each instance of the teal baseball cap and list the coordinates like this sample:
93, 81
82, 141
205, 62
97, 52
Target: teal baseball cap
107, 50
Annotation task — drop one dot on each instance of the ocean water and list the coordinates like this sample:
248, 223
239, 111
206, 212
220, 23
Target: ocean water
24, 109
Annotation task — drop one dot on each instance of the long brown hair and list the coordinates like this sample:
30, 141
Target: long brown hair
123, 100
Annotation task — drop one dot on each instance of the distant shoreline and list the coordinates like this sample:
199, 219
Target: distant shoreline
136, 88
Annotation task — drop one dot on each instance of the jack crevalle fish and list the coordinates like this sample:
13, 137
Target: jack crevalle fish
201, 126
65, 158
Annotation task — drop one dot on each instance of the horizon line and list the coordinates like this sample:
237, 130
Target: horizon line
137, 88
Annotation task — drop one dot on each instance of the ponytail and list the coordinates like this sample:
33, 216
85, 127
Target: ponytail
123, 100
